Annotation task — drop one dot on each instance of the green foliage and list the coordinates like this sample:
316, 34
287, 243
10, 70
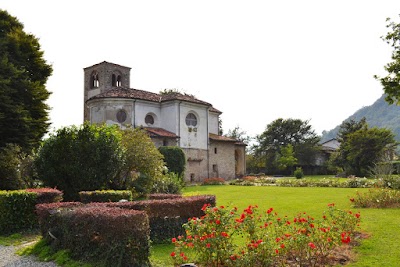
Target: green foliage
298, 173
238, 134
377, 198
174, 158
281, 133
82, 158
105, 196
144, 163
17, 211
170, 183
391, 83
285, 159
361, 147
10, 161
23, 95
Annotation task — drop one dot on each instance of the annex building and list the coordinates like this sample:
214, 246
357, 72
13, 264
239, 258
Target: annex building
172, 119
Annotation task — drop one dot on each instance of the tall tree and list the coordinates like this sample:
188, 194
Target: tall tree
23, 75
280, 133
391, 82
362, 146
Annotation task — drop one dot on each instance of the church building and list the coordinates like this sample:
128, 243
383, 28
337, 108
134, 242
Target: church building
172, 119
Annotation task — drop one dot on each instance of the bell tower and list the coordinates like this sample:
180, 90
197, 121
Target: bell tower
102, 77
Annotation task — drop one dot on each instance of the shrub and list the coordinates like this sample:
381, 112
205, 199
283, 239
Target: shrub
174, 158
115, 237
144, 163
298, 173
213, 181
17, 211
164, 196
269, 239
170, 183
46, 195
81, 158
105, 196
377, 198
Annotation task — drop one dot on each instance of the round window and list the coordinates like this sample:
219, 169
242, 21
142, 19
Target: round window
121, 116
191, 119
149, 119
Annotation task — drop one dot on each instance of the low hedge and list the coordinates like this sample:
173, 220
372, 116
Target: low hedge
98, 234
166, 216
164, 196
105, 196
17, 208
17, 211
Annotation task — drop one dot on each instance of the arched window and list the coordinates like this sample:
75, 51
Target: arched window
94, 80
191, 120
116, 80
121, 116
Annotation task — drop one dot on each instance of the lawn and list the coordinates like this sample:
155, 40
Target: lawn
380, 249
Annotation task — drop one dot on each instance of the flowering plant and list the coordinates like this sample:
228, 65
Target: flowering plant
225, 237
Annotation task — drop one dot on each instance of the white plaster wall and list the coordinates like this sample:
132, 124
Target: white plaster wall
106, 111
213, 122
194, 137
142, 108
169, 117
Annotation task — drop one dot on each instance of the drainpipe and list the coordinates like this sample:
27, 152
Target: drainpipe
134, 113
208, 146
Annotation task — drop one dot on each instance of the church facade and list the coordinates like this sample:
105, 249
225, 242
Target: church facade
172, 119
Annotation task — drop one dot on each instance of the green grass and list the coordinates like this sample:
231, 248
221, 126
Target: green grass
380, 249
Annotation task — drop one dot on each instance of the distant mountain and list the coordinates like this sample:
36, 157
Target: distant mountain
380, 114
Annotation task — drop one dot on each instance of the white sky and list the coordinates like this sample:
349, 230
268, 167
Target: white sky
256, 61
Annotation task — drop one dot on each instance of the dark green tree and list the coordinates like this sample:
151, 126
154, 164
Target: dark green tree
85, 158
174, 158
361, 147
391, 82
281, 133
23, 75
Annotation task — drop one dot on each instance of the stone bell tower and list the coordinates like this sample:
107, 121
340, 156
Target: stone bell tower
102, 77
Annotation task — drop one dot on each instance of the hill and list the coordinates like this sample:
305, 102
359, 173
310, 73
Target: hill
380, 114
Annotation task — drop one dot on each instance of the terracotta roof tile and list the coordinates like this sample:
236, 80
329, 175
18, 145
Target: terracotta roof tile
121, 92
160, 132
216, 137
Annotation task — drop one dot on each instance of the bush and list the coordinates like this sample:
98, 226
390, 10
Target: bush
298, 173
17, 211
46, 195
174, 158
170, 183
377, 198
163, 196
81, 158
213, 181
96, 233
105, 196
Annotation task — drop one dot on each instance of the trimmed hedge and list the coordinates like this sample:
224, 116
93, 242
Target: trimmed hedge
166, 216
47, 195
17, 211
119, 237
105, 196
163, 196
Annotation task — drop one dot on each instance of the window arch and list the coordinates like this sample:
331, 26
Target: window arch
94, 80
149, 119
116, 80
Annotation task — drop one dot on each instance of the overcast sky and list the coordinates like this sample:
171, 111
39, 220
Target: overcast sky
256, 61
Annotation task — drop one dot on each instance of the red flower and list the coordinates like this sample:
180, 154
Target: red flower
311, 245
352, 199
173, 254
224, 234
208, 245
218, 222
173, 240
282, 245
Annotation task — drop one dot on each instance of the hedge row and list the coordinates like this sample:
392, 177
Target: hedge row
105, 196
119, 237
17, 208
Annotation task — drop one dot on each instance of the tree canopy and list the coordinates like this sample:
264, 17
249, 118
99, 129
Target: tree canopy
281, 133
23, 75
361, 147
391, 82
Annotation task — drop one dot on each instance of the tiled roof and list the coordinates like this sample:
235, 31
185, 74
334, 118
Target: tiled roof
160, 132
107, 63
121, 92
216, 137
